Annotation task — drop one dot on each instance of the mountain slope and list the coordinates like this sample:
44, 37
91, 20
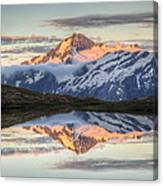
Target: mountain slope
77, 48
117, 76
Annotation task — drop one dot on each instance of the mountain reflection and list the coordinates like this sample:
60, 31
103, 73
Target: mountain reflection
76, 131
83, 138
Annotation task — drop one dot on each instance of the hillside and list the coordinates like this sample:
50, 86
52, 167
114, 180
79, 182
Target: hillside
15, 98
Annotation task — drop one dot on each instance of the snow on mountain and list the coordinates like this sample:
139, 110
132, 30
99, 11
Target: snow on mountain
78, 48
119, 75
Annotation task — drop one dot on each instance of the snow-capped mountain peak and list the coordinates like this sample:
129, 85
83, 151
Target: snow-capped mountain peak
79, 48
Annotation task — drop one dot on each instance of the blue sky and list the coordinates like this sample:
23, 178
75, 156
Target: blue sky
53, 19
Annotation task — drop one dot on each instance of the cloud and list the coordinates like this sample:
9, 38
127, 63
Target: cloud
29, 39
23, 49
102, 20
101, 164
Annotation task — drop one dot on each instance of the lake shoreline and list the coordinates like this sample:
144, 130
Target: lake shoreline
22, 101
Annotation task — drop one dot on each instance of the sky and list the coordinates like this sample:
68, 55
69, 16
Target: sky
106, 20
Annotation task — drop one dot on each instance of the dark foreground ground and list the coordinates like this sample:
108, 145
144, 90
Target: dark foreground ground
20, 105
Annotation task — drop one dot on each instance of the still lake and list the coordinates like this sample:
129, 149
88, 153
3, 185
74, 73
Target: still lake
81, 145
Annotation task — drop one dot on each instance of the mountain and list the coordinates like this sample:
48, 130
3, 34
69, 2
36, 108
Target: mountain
78, 48
117, 76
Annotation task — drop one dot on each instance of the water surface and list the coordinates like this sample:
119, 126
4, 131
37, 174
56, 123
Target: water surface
81, 145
